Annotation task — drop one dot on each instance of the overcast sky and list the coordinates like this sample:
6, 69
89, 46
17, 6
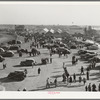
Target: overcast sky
50, 13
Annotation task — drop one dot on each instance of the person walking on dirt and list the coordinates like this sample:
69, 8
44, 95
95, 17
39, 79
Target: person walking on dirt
47, 83
50, 54
50, 59
93, 87
39, 70
80, 79
70, 80
55, 82
4, 66
73, 60
20, 54
24, 89
84, 80
86, 88
74, 77
99, 87
89, 87
64, 78
87, 74
82, 70
25, 71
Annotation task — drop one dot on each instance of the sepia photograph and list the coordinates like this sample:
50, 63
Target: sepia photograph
50, 46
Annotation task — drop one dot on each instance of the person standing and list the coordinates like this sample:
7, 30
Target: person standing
80, 79
89, 87
4, 66
64, 77
93, 87
39, 70
74, 77
87, 74
70, 80
50, 54
55, 82
47, 83
86, 88
50, 59
99, 87
20, 54
82, 70
84, 81
24, 89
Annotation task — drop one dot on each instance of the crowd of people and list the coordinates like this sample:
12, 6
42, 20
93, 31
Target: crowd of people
92, 87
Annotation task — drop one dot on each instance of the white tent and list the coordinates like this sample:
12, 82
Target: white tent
52, 31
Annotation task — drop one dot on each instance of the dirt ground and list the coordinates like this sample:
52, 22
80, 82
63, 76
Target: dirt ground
35, 82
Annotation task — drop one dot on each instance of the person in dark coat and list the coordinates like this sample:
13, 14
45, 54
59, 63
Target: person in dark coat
87, 74
93, 87
82, 70
73, 60
99, 87
4, 66
50, 54
86, 88
47, 83
30, 53
55, 82
74, 77
66, 72
20, 54
84, 81
64, 77
50, 59
89, 87
80, 79
70, 80
24, 89
39, 70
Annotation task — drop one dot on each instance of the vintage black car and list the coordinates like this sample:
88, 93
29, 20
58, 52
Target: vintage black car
7, 54
17, 75
28, 62
13, 47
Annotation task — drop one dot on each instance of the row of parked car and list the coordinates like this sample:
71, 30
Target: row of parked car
6, 50
88, 56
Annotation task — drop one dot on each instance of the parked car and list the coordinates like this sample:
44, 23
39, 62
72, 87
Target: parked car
13, 47
5, 47
93, 47
15, 42
17, 75
87, 56
80, 52
7, 54
63, 50
28, 62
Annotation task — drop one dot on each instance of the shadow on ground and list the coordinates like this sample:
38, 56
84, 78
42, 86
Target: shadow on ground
59, 85
6, 80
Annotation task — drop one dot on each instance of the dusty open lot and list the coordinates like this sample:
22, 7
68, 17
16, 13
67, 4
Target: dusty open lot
35, 82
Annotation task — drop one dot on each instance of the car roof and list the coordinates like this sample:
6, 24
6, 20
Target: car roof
29, 59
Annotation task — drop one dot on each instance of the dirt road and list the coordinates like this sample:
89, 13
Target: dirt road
35, 82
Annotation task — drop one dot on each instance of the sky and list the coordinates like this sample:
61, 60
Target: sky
50, 13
